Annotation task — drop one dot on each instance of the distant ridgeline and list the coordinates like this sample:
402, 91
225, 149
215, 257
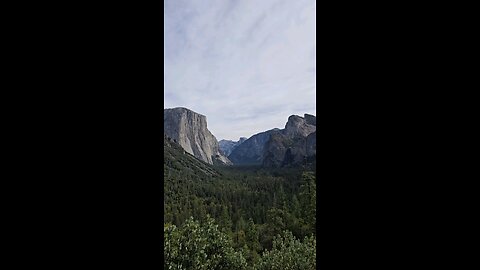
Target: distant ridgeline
227, 146
293, 146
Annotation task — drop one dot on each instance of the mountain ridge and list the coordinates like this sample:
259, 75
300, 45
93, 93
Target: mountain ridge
290, 146
294, 145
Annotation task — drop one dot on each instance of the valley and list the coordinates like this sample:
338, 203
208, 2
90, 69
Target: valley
254, 214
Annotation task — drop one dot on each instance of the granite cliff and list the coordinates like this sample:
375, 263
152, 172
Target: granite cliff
251, 151
290, 146
189, 130
294, 144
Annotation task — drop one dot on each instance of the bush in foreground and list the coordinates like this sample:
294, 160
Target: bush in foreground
288, 253
200, 247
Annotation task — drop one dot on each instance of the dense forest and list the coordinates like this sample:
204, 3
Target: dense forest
237, 217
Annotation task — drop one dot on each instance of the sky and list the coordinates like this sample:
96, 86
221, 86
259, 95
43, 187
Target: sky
247, 65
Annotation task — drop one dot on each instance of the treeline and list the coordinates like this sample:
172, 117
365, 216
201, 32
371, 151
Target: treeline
250, 205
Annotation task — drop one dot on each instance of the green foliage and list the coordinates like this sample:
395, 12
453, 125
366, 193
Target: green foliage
200, 247
251, 206
308, 196
288, 253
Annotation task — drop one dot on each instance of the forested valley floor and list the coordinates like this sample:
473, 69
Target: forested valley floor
237, 217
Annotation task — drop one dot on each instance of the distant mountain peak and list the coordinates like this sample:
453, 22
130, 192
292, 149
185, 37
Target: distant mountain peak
227, 146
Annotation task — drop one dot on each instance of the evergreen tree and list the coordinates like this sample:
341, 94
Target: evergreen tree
309, 199
225, 221
200, 247
288, 253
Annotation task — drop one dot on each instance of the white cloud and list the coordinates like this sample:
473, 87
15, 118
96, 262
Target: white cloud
246, 65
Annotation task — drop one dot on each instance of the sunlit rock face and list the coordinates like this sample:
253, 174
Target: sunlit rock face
189, 129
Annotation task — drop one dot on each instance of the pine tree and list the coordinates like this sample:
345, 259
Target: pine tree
225, 222
308, 196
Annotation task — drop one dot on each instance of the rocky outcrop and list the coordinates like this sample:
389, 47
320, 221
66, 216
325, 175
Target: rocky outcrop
310, 119
312, 144
227, 146
189, 130
251, 151
299, 126
292, 146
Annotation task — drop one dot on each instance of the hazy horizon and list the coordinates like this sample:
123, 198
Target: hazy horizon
246, 65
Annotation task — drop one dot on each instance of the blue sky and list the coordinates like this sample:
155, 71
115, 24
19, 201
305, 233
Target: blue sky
247, 65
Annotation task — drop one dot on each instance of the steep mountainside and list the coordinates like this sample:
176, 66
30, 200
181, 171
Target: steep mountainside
177, 160
251, 151
227, 146
280, 148
292, 145
189, 129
